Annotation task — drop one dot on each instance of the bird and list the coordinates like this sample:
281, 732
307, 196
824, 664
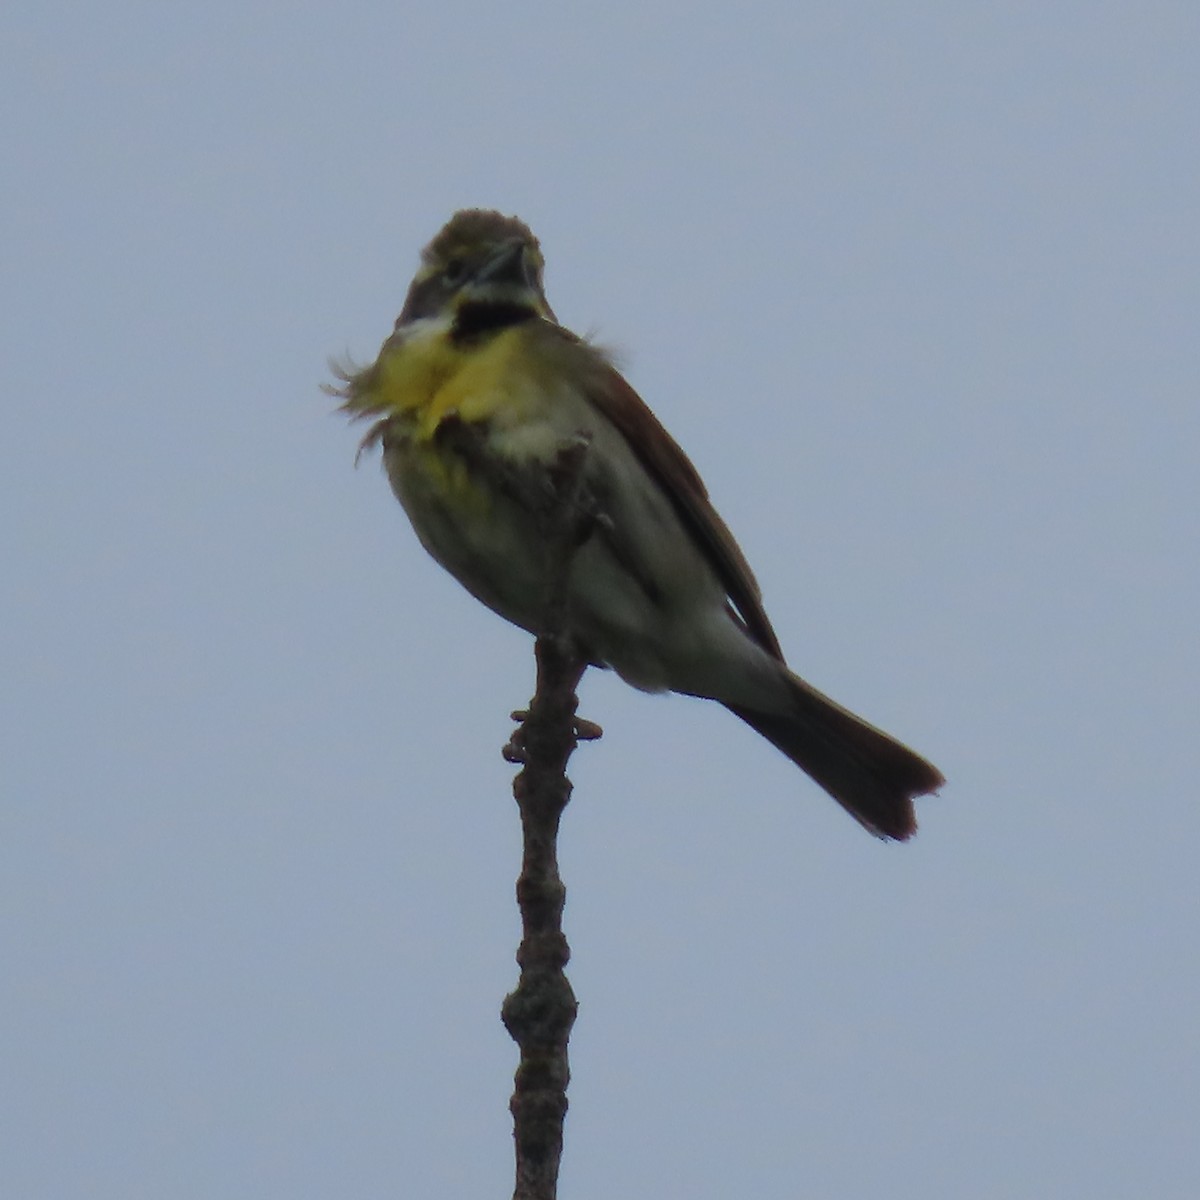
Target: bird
475, 398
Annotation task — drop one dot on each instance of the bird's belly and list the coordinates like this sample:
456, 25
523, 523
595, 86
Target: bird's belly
483, 539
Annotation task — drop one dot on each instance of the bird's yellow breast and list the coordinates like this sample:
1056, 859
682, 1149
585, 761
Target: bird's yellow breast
428, 377
500, 383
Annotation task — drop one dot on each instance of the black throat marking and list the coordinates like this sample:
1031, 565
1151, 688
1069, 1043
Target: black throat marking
476, 319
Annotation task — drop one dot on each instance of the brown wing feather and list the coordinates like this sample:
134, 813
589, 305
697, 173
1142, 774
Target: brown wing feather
662, 457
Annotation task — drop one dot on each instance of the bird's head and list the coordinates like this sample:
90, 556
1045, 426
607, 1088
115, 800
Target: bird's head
483, 269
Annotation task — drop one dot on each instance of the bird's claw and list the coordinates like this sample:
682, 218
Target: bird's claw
514, 752
514, 749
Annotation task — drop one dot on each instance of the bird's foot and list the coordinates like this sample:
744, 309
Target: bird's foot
514, 749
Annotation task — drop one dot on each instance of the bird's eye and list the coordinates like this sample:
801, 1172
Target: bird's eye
454, 271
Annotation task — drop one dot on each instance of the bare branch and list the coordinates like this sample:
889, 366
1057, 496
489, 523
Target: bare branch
539, 1014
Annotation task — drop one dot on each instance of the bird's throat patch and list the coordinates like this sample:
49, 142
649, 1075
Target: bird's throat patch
476, 320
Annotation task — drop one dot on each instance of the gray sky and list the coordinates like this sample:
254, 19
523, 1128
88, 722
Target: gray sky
918, 289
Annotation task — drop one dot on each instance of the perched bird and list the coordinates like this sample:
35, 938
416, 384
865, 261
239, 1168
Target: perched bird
476, 396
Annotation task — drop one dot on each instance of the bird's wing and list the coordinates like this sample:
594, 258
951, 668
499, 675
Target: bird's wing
667, 464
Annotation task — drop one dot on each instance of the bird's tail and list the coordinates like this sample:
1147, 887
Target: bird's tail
871, 775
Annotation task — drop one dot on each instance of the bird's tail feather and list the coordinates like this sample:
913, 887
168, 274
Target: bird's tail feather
871, 775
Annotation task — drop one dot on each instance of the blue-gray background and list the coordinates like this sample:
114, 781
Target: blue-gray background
917, 287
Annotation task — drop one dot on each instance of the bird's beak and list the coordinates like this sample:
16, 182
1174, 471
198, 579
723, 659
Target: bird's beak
508, 264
